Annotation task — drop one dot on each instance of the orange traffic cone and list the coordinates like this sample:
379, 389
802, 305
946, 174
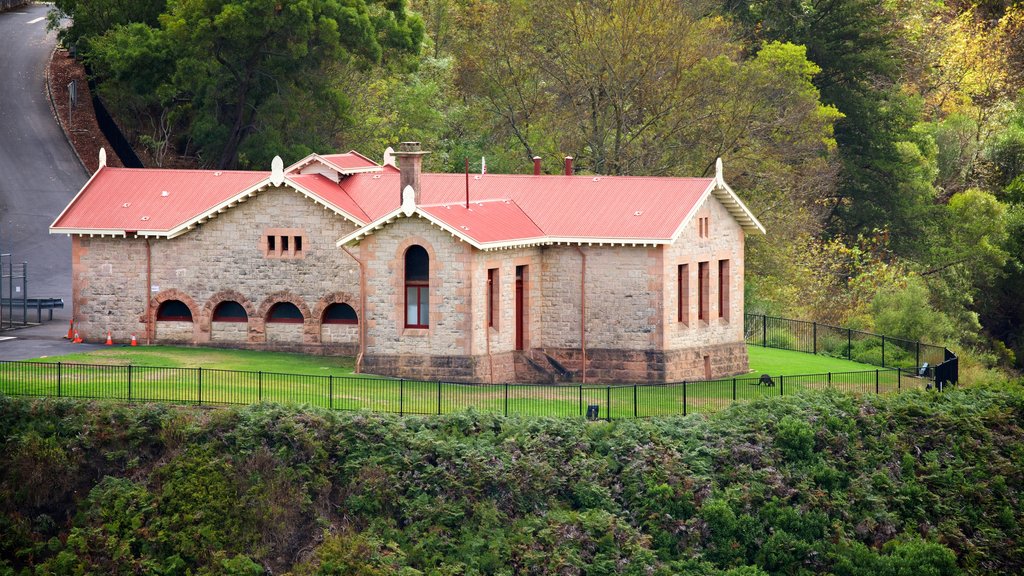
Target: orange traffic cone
134, 343
77, 339
110, 342
71, 330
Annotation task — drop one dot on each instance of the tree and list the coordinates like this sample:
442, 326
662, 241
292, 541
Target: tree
90, 19
239, 66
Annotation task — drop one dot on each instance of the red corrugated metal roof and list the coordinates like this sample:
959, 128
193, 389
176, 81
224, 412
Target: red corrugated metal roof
488, 221
133, 198
561, 206
350, 160
504, 207
330, 191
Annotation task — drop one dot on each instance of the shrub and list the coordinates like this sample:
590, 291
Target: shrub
795, 438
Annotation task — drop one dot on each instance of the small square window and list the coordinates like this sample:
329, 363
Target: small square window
286, 243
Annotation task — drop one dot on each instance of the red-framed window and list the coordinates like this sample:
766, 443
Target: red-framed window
339, 314
284, 313
703, 289
723, 289
173, 311
684, 294
417, 287
230, 311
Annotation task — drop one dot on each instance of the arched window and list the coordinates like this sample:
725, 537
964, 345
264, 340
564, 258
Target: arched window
230, 311
173, 311
417, 288
284, 313
339, 314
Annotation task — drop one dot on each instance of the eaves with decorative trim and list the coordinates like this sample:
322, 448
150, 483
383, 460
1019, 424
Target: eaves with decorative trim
211, 213
732, 203
368, 230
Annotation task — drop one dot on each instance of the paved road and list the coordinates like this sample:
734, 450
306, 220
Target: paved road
39, 173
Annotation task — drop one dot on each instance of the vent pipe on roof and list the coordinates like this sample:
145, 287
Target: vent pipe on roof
410, 162
568, 165
536, 165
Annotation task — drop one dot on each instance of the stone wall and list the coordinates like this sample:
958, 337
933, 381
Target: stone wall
450, 294
222, 259
724, 241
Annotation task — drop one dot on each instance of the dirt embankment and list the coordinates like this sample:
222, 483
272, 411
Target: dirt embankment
80, 125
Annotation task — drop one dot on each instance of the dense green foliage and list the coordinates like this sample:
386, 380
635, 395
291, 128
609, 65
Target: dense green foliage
917, 484
881, 142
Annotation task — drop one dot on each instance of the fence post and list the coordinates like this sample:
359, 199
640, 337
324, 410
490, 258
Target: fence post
608, 401
506, 399
899, 380
782, 391
581, 400
764, 330
259, 386
918, 363
829, 380
401, 396
129, 382
330, 391
684, 397
849, 344
814, 336
876, 380
58, 379
200, 385
734, 389
883, 350
439, 397
634, 401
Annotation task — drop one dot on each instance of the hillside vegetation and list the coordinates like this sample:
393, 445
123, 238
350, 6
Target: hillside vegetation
920, 483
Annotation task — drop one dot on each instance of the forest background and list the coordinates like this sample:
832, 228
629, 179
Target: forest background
881, 142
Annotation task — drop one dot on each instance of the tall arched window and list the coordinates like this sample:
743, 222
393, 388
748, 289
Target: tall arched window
417, 288
173, 311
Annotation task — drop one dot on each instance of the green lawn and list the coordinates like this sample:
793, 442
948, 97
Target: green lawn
210, 376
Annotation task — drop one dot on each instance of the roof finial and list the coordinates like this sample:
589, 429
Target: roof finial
718, 171
389, 157
277, 171
103, 158
408, 201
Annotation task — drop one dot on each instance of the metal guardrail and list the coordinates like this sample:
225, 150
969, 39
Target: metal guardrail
36, 304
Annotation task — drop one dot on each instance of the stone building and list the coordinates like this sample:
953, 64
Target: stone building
478, 278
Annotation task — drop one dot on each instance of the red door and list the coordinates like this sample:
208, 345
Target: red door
520, 272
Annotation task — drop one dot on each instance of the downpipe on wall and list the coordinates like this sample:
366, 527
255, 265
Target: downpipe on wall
583, 312
362, 310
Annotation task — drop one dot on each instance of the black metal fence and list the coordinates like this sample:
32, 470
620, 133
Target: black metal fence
110, 129
855, 345
201, 386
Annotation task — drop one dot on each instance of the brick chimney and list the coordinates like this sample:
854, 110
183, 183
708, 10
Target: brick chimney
410, 162
568, 165
536, 165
